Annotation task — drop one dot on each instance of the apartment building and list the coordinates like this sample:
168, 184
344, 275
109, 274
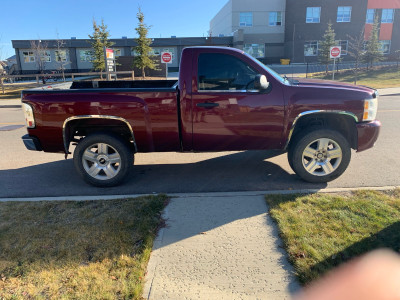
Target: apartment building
75, 55
306, 22
257, 27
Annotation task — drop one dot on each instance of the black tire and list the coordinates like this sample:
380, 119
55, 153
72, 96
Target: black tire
103, 159
308, 151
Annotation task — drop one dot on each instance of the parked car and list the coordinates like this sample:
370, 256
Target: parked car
224, 100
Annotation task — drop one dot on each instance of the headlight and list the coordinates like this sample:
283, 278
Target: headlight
370, 109
29, 118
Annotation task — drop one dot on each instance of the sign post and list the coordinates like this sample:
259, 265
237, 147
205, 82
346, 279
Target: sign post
109, 61
335, 52
166, 58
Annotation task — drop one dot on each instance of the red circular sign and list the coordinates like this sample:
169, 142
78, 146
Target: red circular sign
335, 52
166, 57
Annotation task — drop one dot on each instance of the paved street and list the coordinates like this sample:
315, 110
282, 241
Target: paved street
26, 173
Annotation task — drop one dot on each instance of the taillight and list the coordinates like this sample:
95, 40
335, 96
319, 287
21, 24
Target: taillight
29, 117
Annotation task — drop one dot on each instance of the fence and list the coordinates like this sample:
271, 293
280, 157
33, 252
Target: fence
306, 69
56, 76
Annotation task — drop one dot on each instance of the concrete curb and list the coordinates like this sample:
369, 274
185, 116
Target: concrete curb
200, 195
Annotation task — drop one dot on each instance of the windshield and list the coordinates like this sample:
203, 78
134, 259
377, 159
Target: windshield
269, 70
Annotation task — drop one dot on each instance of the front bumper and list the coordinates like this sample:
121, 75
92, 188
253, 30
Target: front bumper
368, 133
32, 143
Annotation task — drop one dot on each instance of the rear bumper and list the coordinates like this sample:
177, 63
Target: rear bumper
367, 134
32, 143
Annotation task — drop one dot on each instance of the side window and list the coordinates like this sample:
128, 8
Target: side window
224, 72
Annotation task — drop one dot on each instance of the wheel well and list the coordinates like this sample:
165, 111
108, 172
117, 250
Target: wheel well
77, 129
344, 124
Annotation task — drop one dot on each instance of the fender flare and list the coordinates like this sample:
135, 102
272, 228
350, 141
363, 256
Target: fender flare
66, 143
306, 113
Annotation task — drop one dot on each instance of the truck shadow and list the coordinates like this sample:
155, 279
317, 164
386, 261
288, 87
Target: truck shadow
242, 171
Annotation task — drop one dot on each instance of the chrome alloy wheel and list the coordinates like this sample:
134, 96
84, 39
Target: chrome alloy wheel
322, 157
101, 161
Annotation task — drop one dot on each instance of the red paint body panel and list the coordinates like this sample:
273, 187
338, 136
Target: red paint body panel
152, 115
243, 120
167, 119
367, 134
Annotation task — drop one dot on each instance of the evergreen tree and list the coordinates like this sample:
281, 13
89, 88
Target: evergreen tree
373, 50
99, 41
329, 40
143, 55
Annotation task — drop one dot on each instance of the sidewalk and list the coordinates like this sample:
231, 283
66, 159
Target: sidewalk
220, 247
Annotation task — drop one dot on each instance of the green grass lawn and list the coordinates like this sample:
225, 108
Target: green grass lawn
321, 231
77, 250
377, 78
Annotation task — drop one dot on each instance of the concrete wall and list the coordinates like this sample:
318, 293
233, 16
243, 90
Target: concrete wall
222, 22
260, 10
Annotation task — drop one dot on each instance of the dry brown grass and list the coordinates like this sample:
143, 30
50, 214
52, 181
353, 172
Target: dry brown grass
77, 250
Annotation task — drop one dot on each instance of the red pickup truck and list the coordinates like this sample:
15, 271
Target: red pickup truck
224, 100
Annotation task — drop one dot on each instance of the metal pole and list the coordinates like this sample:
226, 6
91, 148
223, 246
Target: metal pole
333, 71
166, 70
307, 71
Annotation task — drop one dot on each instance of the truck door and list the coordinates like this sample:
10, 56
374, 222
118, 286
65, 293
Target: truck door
228, 114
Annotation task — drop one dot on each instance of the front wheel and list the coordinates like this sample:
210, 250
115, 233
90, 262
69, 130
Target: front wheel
319, 156
103, 160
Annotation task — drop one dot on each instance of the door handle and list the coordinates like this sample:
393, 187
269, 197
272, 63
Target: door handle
207, 105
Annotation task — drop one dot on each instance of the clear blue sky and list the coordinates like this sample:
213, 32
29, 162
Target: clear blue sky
26, 20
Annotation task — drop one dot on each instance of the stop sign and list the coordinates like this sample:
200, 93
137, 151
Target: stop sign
336, 51
166, 57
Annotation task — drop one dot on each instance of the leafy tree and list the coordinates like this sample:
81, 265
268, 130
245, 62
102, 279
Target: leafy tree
329, 40
373, 51
99, 41
356, 51
143, 55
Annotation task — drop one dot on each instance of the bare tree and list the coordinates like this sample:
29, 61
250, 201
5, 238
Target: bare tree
356, 51
61, 56
41, 55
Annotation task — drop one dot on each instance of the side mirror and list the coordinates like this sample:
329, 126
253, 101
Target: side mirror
261, 82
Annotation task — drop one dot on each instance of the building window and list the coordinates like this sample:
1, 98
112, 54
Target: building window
255, 50
117, 52
384, 46
219, 72
85, 55
29, 57
156, 51
344, 14
370, 16
387, 15
246, 19
275, 18
311, 48
313, 14
61, 55
343, 44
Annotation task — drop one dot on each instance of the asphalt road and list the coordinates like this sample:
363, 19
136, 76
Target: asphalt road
26, 173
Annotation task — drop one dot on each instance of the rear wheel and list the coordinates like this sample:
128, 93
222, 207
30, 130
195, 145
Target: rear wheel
321, 155
103, 160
